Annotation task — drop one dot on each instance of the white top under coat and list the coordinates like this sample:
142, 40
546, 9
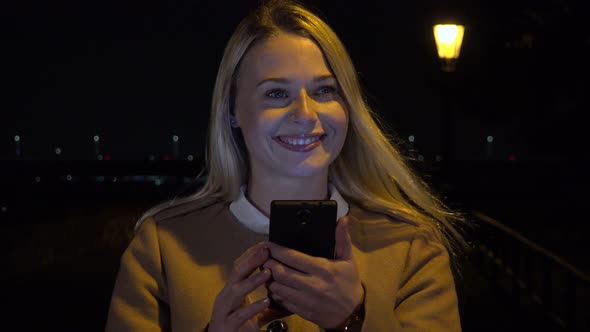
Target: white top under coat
249, 216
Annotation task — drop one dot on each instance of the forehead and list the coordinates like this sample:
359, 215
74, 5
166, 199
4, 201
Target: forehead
284, 55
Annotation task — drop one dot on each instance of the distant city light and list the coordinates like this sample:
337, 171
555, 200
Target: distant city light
4, 209
37, 179
100, 178
57, 151
96, 138
438, 157
420, 158
157, 182
175, 138
490, 139
69, 177
99, 157
151, 157
114, 179
17, 138
190, 157
412, 138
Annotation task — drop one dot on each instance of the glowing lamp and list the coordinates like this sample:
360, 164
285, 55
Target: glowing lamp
448, 39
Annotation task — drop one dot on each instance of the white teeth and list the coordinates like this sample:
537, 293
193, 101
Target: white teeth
299, 141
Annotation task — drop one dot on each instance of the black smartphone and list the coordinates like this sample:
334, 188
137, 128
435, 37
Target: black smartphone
308, 226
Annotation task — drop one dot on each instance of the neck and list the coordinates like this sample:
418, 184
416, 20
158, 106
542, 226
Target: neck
262, 191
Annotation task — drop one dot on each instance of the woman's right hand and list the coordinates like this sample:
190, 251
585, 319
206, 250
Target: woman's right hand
230, 313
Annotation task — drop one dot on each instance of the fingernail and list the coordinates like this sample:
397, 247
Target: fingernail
263, 274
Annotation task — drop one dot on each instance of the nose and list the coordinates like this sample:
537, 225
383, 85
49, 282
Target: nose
304, 109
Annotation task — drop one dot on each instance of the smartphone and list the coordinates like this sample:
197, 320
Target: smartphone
308, 226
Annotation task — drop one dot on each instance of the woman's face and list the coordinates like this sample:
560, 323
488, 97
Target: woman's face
289, 108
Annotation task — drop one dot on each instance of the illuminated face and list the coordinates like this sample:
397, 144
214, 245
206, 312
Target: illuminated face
289, 109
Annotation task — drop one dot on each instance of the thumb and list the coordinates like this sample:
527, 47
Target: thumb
343, 242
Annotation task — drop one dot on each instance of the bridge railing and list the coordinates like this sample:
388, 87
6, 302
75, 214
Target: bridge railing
532, 276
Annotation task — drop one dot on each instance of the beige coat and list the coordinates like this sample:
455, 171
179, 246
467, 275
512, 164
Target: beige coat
174, 268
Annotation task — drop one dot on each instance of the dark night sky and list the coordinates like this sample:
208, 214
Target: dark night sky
137, 72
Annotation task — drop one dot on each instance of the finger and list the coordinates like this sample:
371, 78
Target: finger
248, 262
238, 291
295, 259
244, 314
288, 276
233, 295
296, 309
343, 242
282, 293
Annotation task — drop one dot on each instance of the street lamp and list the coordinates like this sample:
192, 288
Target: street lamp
449, 38
448, 44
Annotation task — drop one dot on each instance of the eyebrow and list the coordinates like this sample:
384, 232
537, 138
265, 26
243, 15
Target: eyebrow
284, 80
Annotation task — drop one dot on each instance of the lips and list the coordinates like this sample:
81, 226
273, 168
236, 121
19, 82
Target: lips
300, 142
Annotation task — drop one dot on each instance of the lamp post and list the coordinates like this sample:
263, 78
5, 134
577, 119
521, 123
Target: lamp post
449, 38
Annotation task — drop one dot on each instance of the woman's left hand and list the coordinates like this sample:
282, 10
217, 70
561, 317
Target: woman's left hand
320, 290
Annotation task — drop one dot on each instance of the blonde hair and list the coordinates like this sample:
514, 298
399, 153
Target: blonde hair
369, 171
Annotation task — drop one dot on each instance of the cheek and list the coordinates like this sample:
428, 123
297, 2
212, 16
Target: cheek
269, 121
260, 126
340, 124
338, 120
344, 121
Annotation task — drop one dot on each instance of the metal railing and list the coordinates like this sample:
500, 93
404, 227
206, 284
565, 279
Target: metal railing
533, 276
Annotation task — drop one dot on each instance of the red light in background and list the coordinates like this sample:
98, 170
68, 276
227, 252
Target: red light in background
512, 157
107, 157
166, 157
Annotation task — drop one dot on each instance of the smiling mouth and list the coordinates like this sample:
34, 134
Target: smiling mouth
300, 142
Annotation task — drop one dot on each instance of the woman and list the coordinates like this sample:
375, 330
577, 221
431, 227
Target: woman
289, 122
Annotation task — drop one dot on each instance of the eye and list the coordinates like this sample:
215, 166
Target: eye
328, 89
277, 93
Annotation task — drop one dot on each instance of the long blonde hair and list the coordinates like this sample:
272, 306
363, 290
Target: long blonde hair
369, 171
